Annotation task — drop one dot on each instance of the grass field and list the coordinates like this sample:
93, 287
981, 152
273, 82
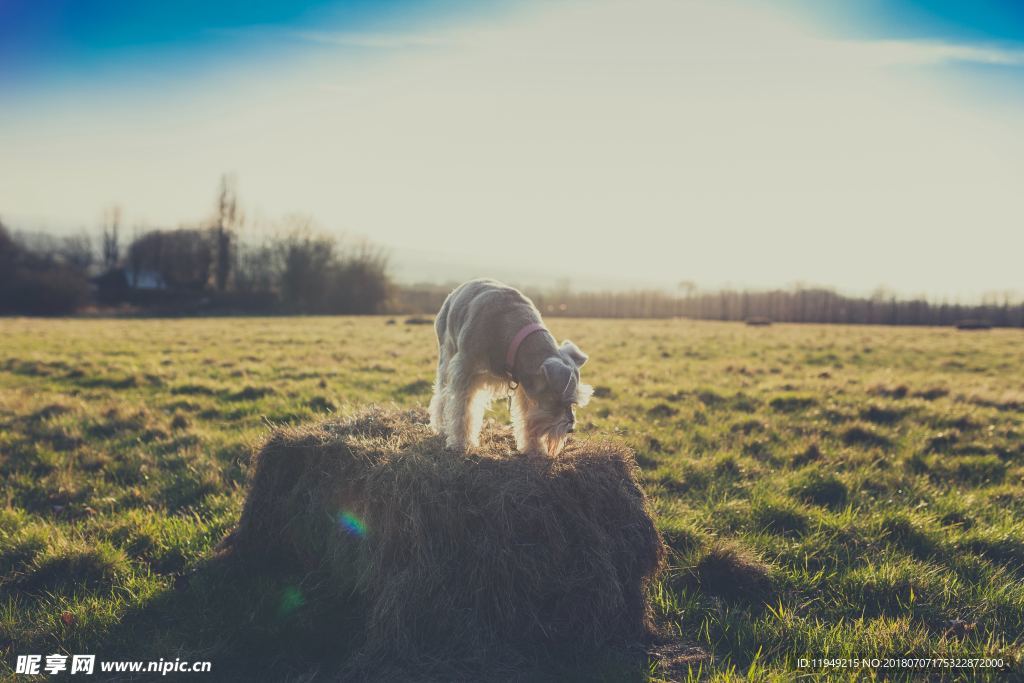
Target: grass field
825, 491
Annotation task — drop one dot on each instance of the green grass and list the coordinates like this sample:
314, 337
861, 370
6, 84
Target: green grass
825, 491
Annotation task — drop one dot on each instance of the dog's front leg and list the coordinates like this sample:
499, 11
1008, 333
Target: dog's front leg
526, 440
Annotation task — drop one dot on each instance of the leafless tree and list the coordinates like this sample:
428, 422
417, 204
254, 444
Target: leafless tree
228, 219
111, 227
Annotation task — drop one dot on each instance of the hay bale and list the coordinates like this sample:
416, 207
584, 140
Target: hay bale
455, 556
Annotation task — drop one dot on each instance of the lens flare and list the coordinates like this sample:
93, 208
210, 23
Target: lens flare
291, 600
352, 524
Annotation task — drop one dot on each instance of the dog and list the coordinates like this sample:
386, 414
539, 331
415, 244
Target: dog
491, 337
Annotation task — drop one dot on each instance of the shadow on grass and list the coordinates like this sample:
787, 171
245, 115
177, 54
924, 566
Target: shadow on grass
278, 625
252, 626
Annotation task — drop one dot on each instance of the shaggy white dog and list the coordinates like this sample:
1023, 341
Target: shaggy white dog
490, 337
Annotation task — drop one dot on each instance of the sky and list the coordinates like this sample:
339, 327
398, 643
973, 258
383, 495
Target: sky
612, 143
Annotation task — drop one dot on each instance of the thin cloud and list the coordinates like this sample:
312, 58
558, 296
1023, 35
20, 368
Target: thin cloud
372, 41
930, 53
375, 41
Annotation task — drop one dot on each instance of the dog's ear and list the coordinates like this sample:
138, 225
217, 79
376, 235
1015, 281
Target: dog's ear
573, 353
535, 383
557, 373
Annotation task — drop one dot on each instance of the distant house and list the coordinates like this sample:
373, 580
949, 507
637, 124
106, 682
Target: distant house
142, 278
115, 285
120, 280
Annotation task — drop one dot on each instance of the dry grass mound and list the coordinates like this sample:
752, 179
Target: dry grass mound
733, 572
455, 556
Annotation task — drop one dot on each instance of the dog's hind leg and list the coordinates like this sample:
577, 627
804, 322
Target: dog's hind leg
439, 399
460, 390
445, 350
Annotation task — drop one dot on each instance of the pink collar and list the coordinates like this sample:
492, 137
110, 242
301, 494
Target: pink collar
513, 348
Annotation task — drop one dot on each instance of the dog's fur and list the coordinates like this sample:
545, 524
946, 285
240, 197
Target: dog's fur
475, 326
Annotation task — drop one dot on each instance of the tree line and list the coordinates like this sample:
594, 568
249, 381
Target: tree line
798, 305
209, 267
215, 267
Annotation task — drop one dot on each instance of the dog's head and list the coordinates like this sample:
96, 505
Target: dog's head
555, 391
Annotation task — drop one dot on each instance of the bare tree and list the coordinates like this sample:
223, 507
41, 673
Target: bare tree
688, 288
224, 232
110, 237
